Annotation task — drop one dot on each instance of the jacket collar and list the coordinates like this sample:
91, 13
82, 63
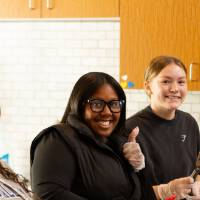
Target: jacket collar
83, 129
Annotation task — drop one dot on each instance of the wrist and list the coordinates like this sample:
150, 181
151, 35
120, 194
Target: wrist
172, 197
164, 192
140, 167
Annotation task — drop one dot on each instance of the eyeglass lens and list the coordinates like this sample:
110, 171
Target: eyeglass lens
98, 105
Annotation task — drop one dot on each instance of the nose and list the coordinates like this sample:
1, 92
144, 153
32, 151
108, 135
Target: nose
106, 110
174, 87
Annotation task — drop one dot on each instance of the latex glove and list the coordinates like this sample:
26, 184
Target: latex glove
132, 151
181, 187
196, 188
195, 191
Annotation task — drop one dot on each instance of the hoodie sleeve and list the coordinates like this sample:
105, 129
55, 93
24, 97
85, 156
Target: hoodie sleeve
53, 169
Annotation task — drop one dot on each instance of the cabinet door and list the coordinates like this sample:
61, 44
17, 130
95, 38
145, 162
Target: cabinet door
163, 27
19, 8
80, 8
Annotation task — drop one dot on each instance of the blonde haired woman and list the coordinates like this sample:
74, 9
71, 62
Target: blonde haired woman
169, 138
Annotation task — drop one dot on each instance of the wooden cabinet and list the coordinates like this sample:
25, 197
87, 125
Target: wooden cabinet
58, 8
20, 8
81, 8
163, 27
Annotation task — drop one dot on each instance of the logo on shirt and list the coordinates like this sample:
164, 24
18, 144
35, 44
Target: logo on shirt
183, 137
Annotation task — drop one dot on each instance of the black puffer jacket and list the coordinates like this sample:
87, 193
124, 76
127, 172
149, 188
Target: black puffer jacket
69, 163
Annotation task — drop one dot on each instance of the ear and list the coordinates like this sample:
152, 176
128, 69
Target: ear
147, 88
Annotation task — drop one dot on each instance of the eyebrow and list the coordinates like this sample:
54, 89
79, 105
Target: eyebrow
169, 77
99, 98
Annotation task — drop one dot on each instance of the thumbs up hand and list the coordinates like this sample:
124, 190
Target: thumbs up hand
132, 151
132, 136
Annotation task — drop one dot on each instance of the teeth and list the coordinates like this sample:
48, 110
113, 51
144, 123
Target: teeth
104, 123
173, 97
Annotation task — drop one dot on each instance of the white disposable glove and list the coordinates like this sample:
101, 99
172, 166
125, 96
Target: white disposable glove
132, 151
180, 187
196, 188
195, 191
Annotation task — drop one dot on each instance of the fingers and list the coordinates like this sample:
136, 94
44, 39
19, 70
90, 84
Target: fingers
187, 181
136, 158
181, 186
132, 151
132, 148
133, 154
188, 197
133, 134
196, 188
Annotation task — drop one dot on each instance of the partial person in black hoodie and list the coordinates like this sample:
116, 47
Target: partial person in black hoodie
77, 159
169, 138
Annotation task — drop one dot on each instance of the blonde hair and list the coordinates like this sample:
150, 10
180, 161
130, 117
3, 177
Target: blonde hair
158, 63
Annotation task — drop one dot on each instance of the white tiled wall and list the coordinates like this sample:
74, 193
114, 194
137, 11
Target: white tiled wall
39, 63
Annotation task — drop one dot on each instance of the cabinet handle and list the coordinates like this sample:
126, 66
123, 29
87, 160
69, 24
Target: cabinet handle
31, 4
190, 73
194, 77
49, 4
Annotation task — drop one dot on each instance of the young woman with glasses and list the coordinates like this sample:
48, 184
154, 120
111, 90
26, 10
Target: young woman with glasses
78, 159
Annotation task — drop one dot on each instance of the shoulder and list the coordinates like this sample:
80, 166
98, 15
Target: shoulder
55, 131
188, 123
138, 118
54, 135
186, 117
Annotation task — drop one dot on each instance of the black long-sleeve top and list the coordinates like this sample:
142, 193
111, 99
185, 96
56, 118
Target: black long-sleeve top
170, 146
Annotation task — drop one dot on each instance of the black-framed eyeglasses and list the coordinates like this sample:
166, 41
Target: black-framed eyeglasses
98, 105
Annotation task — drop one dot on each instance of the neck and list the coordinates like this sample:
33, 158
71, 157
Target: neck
164, 114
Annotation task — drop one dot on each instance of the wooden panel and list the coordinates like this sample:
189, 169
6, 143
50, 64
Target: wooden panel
19, 9
163, 27
81, 8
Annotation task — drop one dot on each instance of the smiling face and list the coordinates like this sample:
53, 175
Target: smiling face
102, 123
167, 90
